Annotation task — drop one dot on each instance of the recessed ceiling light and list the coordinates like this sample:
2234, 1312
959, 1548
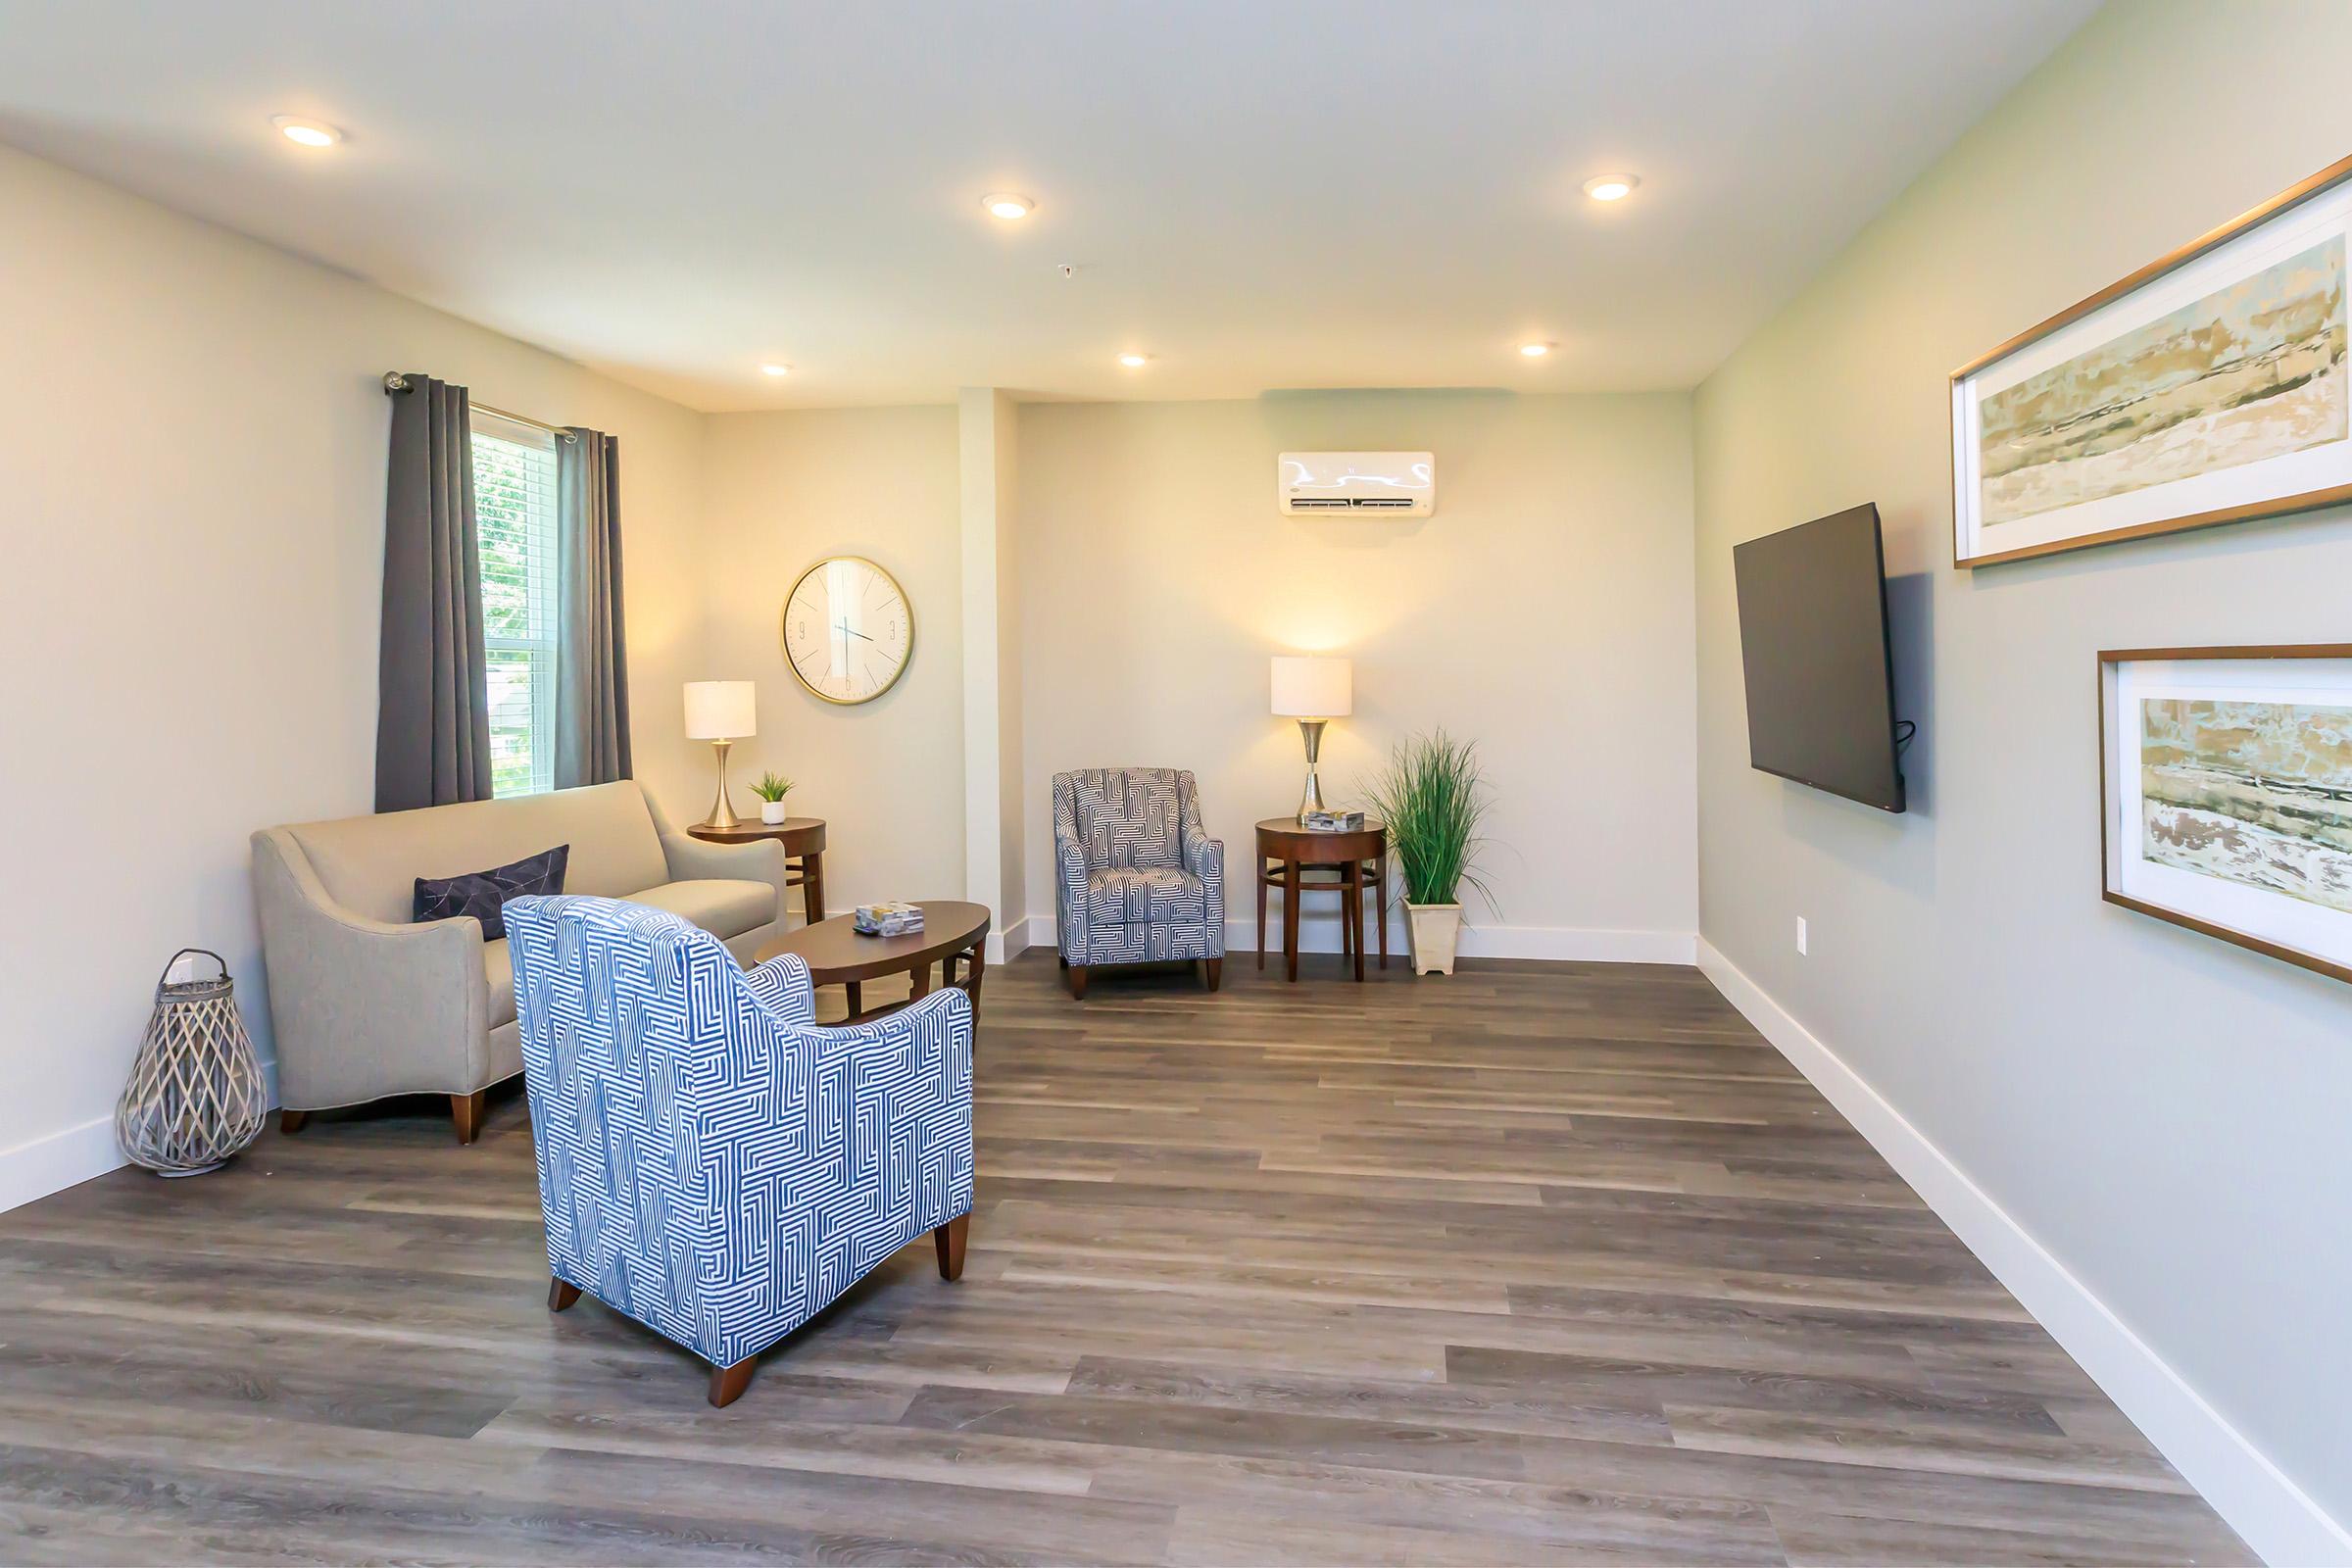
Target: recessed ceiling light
1006, 204
1135, 361
1535, 350
1611, 188
776, 370
306, 132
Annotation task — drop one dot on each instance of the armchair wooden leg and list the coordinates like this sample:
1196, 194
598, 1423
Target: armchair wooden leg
561, 1293
727, 1383
1078, 981
290, 1122
948, 1240
466, 1113
1215, 968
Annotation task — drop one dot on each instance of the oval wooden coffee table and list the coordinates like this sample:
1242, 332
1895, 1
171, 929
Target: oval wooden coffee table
837, 954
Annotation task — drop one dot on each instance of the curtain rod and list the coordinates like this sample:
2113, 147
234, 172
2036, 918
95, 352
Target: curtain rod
395, 381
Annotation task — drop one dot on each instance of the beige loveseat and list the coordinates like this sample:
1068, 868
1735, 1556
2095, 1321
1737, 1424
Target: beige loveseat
366, 1004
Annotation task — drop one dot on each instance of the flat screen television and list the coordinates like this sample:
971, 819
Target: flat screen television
1820, 668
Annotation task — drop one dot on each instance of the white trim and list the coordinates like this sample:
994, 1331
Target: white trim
2260, 1502
1562, 943
55, 1161
1575, 944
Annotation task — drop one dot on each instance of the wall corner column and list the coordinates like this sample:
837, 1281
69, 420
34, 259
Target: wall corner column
994, 841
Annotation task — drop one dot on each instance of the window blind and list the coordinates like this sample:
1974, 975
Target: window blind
515, 524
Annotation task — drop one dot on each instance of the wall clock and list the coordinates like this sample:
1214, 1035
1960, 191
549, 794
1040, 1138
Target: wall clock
847, 629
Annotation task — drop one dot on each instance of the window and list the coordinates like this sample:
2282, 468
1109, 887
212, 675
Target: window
514, 521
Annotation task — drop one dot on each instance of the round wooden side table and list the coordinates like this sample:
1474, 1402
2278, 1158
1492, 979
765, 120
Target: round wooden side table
838, 953
1347, 859
803, 841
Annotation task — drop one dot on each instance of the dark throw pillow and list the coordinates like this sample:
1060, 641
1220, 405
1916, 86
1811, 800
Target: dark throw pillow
483, 894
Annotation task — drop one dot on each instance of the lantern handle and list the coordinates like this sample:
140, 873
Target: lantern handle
208, 953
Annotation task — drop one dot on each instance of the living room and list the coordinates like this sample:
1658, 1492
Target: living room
1736, 1094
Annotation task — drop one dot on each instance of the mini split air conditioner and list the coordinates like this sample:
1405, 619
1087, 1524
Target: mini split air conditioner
1401, 484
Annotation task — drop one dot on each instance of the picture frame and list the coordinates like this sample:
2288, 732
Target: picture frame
2225, 793
2211, 386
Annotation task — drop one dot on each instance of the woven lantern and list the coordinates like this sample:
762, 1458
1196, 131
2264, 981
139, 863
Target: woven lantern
195, 1096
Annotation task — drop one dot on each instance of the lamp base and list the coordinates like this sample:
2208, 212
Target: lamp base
1311, 730
722, 809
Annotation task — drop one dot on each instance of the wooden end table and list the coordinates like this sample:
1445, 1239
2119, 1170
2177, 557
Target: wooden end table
803, 841
1345, 856
837, 954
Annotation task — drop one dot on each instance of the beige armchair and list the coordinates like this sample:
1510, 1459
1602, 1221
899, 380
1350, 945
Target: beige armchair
365, 1004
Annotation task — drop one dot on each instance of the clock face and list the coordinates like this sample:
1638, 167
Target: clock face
847, 629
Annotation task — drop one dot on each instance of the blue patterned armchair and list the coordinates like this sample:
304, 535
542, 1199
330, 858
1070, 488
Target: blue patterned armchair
1137, 879
711, 1163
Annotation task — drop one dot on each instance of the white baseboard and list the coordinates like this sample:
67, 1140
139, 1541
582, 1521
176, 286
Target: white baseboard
57, 1161
1578, 944
2260, 1501
1321, 934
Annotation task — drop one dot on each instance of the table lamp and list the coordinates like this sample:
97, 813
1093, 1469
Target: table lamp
722, 712
1313, 691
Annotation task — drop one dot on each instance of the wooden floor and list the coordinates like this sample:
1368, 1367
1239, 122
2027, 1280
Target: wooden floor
1535, 1264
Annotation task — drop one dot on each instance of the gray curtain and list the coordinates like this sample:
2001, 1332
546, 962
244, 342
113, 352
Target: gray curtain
592, 662
432, 724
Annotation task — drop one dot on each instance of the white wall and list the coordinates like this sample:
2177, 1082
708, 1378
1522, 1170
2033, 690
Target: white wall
1543, 611
191, 454
2164, 1114
192, 450
780, 492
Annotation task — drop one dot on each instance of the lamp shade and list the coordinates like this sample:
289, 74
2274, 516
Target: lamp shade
1313, 688
720, 710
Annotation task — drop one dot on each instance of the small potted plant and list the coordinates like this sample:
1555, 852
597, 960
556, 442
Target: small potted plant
1432, 797
772, 790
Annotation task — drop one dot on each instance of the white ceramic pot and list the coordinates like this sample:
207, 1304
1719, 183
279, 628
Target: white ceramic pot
773, 813
1432, 930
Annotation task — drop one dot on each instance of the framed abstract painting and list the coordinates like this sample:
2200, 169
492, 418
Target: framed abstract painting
2208, 387
2227, 777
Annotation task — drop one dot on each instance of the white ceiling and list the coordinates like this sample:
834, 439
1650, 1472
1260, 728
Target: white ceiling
1260, 193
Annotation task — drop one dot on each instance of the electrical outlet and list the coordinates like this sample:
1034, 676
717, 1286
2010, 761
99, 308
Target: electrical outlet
1800, 936
183, 969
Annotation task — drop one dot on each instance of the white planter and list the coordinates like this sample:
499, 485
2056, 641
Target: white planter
1432, 929
773, 813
